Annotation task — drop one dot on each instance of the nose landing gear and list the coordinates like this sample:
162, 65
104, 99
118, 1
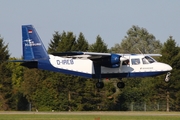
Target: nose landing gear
167, 78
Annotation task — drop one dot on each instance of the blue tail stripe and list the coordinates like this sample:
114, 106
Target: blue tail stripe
33, 47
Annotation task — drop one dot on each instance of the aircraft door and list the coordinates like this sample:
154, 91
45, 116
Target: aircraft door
125, 65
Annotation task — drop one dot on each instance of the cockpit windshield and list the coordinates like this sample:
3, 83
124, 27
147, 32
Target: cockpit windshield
147, 60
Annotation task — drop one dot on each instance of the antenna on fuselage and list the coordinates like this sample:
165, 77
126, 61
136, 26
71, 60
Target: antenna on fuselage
139, 50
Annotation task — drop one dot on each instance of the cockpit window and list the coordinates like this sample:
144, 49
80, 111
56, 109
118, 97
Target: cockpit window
135, 61
125, 62
147, 60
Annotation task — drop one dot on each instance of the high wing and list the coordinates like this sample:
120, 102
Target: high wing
109, 54
94, 55
67, 54
87, 55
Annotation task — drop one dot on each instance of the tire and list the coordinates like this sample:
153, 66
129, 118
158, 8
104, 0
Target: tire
99, 84
120, 85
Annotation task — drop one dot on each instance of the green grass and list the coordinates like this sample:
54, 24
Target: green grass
90, 116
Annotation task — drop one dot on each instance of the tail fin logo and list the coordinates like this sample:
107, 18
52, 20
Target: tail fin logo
30, 31
29, 42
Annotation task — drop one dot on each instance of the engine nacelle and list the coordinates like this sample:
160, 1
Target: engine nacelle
115, 60
112, 61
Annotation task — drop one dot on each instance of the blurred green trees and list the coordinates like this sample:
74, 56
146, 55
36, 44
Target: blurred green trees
32, 89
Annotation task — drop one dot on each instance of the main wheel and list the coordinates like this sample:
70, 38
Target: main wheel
99, 84
120, 85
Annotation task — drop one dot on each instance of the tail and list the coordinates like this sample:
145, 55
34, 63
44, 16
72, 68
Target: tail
33, 48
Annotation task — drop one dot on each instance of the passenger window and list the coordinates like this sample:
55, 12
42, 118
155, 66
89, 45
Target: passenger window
135, 61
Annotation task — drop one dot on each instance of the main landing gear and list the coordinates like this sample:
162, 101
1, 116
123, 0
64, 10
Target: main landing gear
120, 84
100, 84
167, 78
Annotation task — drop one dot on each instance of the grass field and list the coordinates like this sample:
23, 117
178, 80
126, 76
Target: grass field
89, 115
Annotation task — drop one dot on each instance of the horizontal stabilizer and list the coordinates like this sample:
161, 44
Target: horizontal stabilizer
27, 63
21, 61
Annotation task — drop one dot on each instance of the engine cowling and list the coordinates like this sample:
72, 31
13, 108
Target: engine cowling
115, 60
112, 61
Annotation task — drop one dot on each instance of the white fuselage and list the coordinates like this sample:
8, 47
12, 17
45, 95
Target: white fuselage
86, 66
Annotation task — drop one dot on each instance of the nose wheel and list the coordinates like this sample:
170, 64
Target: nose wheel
167, 78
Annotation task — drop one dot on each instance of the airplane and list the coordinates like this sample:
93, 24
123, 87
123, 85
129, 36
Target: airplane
89, 64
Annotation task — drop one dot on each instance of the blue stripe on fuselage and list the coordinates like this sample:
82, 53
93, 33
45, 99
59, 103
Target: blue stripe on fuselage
46, 65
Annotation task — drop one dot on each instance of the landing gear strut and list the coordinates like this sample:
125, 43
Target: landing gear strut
99, 84
167, 78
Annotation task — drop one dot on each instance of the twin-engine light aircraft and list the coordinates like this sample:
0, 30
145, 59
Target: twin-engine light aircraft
89, 64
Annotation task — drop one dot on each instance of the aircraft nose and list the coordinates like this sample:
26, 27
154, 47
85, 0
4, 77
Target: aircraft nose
168, 67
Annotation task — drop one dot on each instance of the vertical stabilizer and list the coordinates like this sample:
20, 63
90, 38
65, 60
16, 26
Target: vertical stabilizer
33, 48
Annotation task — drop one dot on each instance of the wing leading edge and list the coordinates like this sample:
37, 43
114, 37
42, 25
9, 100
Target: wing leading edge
95, 55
